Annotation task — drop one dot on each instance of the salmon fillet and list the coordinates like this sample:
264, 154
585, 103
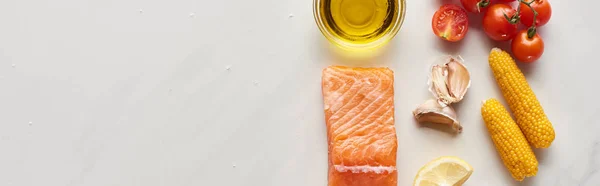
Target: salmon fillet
359, 113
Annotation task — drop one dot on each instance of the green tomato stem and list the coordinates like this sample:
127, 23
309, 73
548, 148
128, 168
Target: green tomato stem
482, 4
531, 30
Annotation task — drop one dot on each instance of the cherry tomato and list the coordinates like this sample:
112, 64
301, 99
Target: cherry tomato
496, 26
475, 6
450, 22
542, 7
527, 49
507, 1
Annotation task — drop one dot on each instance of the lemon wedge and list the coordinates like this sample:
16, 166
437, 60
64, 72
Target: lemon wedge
444, 171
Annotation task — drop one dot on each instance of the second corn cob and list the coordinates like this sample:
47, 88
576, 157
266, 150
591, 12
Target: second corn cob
510, 143
522, 101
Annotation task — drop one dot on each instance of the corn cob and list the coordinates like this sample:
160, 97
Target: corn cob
509, 140
522, 101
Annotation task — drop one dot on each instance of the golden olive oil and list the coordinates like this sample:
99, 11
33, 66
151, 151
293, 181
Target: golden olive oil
359, 21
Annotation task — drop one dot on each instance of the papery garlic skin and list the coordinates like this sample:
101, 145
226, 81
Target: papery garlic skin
449, 81
434, 112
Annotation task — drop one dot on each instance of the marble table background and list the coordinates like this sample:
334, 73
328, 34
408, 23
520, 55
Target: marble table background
197, 92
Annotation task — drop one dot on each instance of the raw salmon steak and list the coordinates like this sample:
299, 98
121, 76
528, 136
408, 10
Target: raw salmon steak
359, 113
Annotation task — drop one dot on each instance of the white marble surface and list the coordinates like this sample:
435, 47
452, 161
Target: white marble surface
188, 92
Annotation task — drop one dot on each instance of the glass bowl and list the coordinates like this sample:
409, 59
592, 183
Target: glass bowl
346, 45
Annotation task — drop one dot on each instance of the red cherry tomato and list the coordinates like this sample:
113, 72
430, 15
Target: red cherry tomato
507, 1
450, 22
475, 6
527, 49
496, 26
542, 7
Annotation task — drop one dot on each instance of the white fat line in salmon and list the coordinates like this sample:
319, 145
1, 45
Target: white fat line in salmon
365, 169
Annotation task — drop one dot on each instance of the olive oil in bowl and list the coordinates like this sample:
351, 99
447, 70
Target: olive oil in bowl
359, 24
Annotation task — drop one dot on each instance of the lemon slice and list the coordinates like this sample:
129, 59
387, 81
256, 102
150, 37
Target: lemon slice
444, 171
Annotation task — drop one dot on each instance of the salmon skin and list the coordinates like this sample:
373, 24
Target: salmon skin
359, 114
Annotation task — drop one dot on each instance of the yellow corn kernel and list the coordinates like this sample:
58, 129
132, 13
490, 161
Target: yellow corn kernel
510, 142
522, 101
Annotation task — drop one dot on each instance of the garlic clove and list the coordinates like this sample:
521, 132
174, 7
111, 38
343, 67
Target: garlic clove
450, 81
458, 81
438, 83
432, 111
